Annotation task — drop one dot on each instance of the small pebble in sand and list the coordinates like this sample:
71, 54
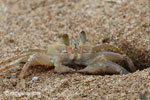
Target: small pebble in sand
35, 78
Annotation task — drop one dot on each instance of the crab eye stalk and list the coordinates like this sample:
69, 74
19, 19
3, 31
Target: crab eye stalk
82, 37
65, 39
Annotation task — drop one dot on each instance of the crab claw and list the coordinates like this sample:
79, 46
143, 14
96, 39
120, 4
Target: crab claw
64, 69
100, 68
123, 71
91, 70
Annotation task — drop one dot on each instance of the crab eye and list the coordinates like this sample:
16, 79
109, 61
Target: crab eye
65, 39
82, 37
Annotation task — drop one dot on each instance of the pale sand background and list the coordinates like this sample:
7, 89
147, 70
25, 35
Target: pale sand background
37, 23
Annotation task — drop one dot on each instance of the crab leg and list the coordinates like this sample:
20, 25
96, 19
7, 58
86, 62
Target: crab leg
14, 58
6, 67
104, 67
35, 50
106, 46
35, 59
28, 52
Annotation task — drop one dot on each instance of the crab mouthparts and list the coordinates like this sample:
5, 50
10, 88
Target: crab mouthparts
74, 53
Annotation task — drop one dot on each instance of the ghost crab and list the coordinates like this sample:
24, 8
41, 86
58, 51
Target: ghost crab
67, 51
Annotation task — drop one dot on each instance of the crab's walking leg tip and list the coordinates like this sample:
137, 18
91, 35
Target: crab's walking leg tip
64, 69
86, 70
123, 72
22, 83
70, 70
